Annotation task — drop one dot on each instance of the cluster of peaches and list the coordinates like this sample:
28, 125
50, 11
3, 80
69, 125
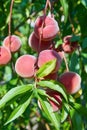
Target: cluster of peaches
41, 40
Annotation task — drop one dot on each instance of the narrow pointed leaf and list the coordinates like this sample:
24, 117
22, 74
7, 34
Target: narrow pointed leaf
84, 2
64, 112
76, 119
20, 109
65, 8
49, 112
53, 86
81, 109
43, 92
46, 69
17, 91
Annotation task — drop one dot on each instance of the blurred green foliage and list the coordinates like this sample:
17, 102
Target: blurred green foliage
72, 19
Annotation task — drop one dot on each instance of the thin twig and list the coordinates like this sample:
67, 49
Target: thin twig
9, 25
66, 64
47, 126
10, 19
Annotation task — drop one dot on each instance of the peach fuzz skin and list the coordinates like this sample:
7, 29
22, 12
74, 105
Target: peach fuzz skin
71, 82
47, 27
24, 66
15, 43
37, 46
5, 55
48, 55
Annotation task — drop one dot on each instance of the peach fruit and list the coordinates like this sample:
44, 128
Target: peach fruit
35, 45
47, 27
12, 42
69, 46
71, 81
48, 55
24, 66
52, 76
57, 96
5, 55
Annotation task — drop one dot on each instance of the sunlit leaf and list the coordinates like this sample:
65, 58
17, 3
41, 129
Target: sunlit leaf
64, 4
81, 109
43, 92
46, 69
54, 86
49, 112
17, 91
84, 2
64, 112
20, 109
17, 1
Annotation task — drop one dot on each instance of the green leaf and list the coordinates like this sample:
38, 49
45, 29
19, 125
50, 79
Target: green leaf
74, 66
64, 112
76, 120
65, 8
43, 92
84, 2
13, 81
17, 1
17, 91
20, 109
81, 109
84, 43
46, 69
66, 126
49, 112
75, 38
55, 86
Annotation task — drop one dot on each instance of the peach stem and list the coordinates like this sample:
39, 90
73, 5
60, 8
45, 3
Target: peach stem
48, 4
41, 35
9, 26
66, 64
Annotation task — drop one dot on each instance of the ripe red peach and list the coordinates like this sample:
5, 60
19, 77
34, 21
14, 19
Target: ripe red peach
71, 81
69, 46
52, 76
57, 96
48, 55
35, 45
24, 66
47, 27
12, 42
5, 55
